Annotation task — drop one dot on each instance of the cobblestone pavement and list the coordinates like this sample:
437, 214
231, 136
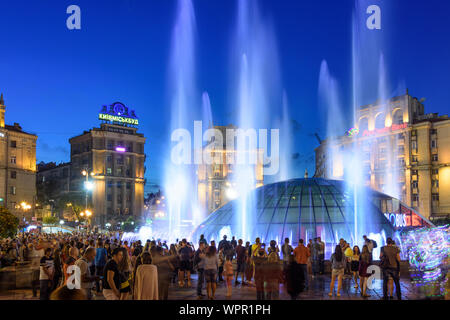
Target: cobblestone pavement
318, 290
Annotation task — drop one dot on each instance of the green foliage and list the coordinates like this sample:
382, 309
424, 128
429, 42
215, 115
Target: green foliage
129, 224
8, 223
50, 220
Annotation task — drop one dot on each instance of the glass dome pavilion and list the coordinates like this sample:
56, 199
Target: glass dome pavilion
307, 208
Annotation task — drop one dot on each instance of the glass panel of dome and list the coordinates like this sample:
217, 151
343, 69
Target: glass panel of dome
306, 215
290, 231
329, 201
293, 215
317, 200
295, 200
266, 216
335, 215
321, 215
272, 202
305, 201
284, 201
279, 216
274, 233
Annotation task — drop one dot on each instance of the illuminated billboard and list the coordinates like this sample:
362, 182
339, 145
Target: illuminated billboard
118, 113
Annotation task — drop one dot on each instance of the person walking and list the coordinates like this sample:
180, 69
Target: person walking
302, 254
390, 259
338, 262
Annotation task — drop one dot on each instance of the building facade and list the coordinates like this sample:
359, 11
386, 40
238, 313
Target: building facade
17, 168
111, 158
401, 150
216, 181
53, 183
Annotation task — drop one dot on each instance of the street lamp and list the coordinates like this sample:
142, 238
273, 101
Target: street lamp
88, 186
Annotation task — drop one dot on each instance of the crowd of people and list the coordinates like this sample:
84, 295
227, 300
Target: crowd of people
118, 270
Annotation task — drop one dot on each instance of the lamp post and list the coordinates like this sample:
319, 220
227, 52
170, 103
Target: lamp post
88, 186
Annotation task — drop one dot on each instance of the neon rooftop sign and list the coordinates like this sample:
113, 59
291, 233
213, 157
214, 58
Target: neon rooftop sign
118, 113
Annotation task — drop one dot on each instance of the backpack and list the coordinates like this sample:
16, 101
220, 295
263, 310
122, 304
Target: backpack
375, 245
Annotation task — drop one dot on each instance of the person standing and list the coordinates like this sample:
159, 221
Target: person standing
390, 257
338, 262
46, 274
364, 263
99, 262
87, 280
199, 263
165, 269
228, 269
111, 275
315, 248
185, 253
146, 279
58, 269
260, 259
302, 254
371, 244
211, 267
241, 253
287, 251
355, 264
273, 276
321, 255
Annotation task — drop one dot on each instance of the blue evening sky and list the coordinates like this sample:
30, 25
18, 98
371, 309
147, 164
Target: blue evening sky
55, 80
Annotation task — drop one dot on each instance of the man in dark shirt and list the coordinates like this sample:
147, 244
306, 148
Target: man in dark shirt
241, 255
233, 242
391, 267
185, 253
46, 274
111, 274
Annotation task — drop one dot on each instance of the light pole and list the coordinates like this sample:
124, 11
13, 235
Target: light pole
88, 186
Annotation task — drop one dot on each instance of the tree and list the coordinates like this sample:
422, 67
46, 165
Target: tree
50, 220
9, 223
129, 225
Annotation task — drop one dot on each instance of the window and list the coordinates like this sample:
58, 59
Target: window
435, 183
119, 184
13, 174
109, 159
414, 159
414, 172
13, 144
398, 117
414, 145
13, 159
110, 145
110, 184
415, 184
109, 171
128, 185
119, 171
433, 131
120, 160
119, 198
435, 196
13, 190
435, 171
380, 121
109, 197
435, 157
415, 197
433, 144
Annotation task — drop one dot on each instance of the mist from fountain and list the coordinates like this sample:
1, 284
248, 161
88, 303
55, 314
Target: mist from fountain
179, 177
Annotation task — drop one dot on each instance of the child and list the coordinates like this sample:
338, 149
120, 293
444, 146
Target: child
228, 274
